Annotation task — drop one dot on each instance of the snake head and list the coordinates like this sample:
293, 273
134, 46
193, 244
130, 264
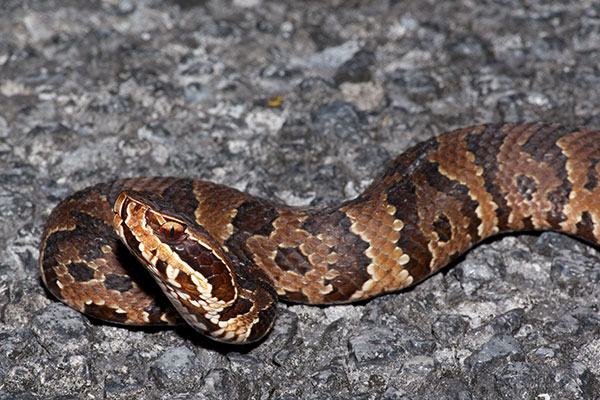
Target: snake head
198, 276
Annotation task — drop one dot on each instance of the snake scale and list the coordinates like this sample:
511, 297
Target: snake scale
223, 257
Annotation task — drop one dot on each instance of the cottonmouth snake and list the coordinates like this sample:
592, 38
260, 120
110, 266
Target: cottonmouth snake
222, 257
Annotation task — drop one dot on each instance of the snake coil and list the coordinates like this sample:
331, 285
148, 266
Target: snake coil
222, 257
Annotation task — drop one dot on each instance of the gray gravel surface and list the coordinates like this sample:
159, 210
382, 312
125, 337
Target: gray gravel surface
91, 91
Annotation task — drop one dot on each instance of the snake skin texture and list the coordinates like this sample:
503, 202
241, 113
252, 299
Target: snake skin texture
429, 206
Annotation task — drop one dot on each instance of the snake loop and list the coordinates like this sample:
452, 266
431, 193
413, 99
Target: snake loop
222, 257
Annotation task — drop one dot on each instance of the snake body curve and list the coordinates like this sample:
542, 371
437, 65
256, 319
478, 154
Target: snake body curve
223, 257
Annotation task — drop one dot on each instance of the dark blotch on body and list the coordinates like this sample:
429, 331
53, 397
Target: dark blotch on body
105, 313
118, 282
592, 177
80, 272
526, 186
443, 228
290, 259
585, 227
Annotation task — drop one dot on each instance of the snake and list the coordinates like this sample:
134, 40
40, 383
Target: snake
170, 250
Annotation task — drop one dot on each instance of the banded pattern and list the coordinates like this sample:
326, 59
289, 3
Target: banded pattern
223, 256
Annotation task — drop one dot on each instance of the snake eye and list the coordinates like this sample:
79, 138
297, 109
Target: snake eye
172, 230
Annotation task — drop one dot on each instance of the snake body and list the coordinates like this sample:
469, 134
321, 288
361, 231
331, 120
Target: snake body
223, 257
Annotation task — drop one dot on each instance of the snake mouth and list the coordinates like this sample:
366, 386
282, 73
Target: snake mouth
130, 228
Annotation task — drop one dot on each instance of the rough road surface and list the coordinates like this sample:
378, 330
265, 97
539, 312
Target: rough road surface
303, 102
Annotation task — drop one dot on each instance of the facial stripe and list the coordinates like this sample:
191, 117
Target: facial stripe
194, 274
